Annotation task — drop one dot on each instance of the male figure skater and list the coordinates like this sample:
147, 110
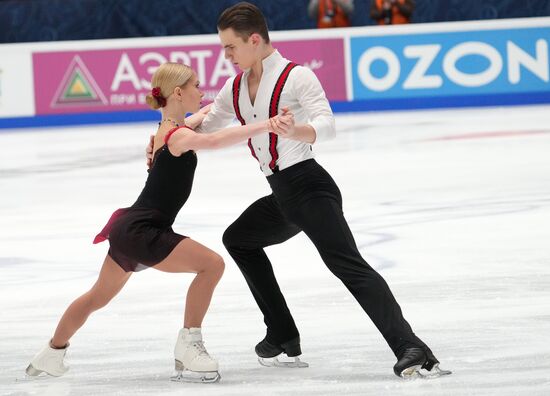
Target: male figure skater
304, 198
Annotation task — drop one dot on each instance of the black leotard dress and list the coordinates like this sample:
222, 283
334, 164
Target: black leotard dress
141, 236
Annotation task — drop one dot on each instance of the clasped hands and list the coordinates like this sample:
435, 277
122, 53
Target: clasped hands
283, 124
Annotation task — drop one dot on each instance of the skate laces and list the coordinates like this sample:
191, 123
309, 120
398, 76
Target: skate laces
199, 346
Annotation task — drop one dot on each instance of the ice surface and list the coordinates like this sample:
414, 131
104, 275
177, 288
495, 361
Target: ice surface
452, 207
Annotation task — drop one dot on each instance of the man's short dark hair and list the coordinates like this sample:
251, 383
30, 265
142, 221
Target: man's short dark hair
245, 19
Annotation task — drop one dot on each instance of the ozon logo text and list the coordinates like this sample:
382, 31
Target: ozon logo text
514, 58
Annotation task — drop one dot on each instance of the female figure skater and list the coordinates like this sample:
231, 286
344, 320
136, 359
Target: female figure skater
141, 236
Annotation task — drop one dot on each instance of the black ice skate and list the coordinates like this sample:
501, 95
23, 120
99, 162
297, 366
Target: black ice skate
272, 354
418, 363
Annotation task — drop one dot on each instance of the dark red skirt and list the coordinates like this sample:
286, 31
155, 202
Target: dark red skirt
139, 238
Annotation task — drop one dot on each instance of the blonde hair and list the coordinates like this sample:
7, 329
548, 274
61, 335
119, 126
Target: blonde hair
167, 77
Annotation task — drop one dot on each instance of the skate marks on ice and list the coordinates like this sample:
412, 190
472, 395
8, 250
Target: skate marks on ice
21, 271
485, 135
406, 213
41, 385
54, 151
372, 230
79, 160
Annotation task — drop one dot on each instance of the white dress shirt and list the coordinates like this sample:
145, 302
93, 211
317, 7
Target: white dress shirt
302, 94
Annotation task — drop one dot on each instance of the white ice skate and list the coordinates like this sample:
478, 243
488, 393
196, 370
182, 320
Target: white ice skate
193, 363
49, 361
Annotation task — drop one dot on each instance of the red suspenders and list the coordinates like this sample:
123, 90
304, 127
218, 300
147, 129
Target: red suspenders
273, 111
236, 92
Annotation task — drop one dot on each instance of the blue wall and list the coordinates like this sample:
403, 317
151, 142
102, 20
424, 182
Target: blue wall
50, 20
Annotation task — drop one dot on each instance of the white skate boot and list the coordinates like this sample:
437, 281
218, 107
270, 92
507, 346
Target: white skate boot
49, 361
193, 363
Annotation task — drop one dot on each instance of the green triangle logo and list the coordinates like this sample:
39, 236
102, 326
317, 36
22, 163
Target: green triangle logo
78, 87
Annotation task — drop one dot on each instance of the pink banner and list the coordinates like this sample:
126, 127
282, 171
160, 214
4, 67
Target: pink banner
119, 80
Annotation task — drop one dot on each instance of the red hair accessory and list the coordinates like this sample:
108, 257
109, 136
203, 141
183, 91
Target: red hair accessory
158, 96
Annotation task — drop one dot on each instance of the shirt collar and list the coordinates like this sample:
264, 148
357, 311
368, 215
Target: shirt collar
272, 60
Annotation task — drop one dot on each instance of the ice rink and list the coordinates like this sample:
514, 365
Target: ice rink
452, 207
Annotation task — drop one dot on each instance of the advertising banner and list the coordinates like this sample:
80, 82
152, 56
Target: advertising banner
16, 88
475, 63
119, 79
452, 64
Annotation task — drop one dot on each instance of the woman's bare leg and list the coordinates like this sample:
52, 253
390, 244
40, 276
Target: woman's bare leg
110, 281
191, 256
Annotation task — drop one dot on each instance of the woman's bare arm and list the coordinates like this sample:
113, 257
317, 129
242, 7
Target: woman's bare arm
190, 140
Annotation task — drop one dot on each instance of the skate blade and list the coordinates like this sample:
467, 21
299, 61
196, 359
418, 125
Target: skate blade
417, 372
207, 377
278, 361
32, 374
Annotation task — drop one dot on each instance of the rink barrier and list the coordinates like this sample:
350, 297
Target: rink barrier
358, 106
458, 64
64, 120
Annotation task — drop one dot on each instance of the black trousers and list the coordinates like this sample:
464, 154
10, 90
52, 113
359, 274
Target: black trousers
306, 198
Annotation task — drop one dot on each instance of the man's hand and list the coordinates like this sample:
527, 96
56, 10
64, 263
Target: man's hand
149, 151
283, 124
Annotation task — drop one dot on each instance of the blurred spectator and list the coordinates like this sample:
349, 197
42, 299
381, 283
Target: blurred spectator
331, 13
392, 12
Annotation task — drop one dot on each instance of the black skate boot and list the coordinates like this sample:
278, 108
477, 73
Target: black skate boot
269, 353
269, 349
418, 363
